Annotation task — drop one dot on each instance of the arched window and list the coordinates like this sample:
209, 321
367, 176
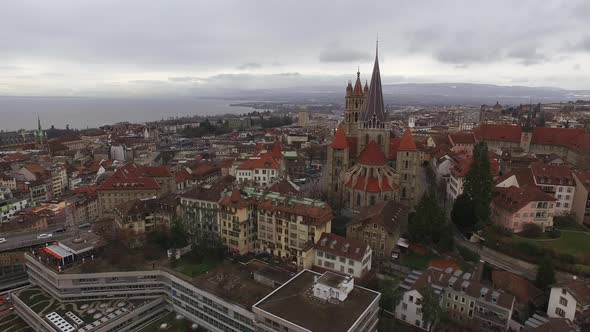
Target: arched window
404, 192
356, 117
379, 139
366, 139
356, 104
358, 199
372, 199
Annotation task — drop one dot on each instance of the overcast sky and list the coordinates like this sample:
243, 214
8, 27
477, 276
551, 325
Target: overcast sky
135, 47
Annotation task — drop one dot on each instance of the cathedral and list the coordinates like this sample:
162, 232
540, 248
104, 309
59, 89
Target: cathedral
366, 164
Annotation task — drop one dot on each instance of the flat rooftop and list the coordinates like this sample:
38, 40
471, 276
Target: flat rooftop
233, 281
294, 302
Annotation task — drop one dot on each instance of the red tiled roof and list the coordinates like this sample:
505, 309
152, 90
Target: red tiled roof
35, 169
461, 169
407, 142
114, 183
462, 138
371, 184
516, 285
394, 143
514, 198
555, 136
358, 87
552, 174
13, 157
341, 246
584, 178
265, 161
156, 171
498, 132
235, 200
372, 155
524, 176
276, 151
182, 175
340, 141
580, 143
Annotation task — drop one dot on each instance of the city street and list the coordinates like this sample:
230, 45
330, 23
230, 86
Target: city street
23, 240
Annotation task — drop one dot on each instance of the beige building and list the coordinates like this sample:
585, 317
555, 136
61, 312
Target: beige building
380, 227
287, 224
237, 227
132, 182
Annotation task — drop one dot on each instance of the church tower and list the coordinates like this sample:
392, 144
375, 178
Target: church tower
407, 165
354, 101
373, 125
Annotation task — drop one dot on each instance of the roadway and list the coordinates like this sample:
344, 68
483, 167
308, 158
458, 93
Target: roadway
508, 263
19, 240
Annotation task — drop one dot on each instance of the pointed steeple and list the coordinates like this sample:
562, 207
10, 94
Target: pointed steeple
375, 105
39, 123
358, 87
340, 141
407, 142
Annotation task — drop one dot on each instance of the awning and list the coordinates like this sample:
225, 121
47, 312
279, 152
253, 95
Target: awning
404, 243
57, 251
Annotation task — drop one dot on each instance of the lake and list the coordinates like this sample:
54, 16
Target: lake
82, 112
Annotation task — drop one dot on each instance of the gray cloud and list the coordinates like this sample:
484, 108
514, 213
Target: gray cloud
190, 43
184, 79
334, 52
250, 65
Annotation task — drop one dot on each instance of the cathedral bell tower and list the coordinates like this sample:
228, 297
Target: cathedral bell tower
354, 101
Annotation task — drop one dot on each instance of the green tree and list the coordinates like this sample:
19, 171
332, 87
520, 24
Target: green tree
545, 273
431, 310
479, 182
463, 213
391, 294
178, 235
429, 226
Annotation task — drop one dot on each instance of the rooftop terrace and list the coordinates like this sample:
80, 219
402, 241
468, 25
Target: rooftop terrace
295, 302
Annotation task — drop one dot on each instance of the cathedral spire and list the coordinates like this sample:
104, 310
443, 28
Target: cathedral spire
375, 106
39, 123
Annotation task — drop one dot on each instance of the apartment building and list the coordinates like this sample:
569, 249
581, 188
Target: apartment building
261, 171
581, 208
237, 225
132, 182
466, 300
514, 207
570, 300
287, 224
144, 215
338, 254
379, 227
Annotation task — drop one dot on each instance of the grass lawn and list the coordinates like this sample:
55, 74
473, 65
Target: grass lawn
573, 243
417, 261
193, 268
567, 223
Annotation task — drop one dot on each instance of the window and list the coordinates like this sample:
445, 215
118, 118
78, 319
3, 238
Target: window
418, 322
563, 301
560, 312
350, 270
404, 306
563, 291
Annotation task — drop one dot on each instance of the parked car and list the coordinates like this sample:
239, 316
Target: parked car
44, 236
2, 240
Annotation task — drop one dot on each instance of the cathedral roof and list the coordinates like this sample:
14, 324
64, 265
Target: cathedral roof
407, 142
276, 151
371, 184
358, 87
375, 105
372, 155
340, 141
